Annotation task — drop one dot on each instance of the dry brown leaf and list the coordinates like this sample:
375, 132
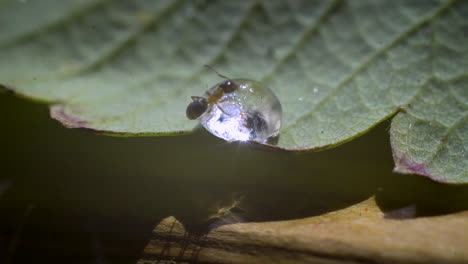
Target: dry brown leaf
357, 234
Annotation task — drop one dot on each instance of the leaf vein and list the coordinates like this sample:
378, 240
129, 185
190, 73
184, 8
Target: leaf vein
309, 32
412, 29
66, 18
124, 43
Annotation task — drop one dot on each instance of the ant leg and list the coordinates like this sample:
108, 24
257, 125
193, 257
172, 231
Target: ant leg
219, 74
222, 110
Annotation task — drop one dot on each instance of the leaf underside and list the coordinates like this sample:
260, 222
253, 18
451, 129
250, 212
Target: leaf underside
339, 67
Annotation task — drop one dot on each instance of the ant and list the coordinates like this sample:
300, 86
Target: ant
200, 104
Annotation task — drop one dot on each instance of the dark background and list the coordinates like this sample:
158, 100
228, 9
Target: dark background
68, 195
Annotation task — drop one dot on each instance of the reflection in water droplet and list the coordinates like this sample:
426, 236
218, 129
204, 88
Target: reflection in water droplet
315, 89
300, 98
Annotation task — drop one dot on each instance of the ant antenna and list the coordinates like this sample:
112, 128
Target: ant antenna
219, 74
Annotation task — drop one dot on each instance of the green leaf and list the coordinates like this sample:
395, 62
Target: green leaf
338, 67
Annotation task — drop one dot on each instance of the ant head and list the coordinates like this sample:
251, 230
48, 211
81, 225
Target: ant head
229, 85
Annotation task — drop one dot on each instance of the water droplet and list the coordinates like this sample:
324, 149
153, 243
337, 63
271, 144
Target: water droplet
251, 112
